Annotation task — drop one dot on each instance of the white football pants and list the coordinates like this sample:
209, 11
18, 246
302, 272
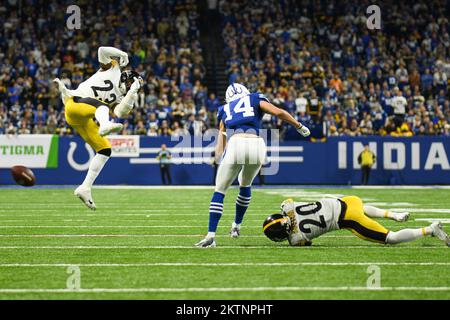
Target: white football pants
244, 155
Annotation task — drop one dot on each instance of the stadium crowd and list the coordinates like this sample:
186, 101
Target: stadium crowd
162, 40
317, 60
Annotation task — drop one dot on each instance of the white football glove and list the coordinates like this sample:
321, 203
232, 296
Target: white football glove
59, 83
304, 131
65, 93
123, 60
136, 85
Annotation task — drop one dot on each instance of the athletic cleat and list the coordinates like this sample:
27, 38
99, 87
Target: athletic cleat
401, 216
439, 232
109, 127
235, 231
206, 243
84, 194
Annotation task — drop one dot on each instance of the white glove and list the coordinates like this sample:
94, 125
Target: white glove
304, 131
136, 85
123, 61
59, 83
65, 93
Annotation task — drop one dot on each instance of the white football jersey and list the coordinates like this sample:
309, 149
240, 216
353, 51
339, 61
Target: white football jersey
399, 104
102, 85
313, 219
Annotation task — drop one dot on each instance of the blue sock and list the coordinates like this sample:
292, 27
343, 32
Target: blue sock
242, 203
215, 210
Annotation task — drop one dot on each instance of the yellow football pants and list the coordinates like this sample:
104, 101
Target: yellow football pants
361, 225
80, 116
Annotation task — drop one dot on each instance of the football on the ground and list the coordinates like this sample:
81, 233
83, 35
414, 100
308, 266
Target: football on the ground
23, 176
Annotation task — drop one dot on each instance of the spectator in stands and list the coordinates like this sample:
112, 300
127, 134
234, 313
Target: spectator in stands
140, 128
399, 104
314, 106
340, 61
286, 50
212, 105
165, 50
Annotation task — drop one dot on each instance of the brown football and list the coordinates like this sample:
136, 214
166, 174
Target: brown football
23, 176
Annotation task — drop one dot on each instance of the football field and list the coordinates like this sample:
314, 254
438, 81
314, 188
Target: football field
139, 244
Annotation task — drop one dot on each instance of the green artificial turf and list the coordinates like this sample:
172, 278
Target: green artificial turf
139, 244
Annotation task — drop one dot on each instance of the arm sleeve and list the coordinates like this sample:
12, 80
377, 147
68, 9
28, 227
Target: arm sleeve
219, 114
256, 99
125, 106
263, 97
296, 241
105, 54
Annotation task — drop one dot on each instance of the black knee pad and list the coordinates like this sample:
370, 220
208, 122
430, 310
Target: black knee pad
105, 152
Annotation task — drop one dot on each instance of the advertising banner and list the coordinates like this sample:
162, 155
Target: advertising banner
124, 146
399, 161
33, 150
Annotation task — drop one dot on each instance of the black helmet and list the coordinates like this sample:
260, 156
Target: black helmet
127, 78
276, 227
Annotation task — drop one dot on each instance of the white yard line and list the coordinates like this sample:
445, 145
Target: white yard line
285, 247
222, 264
434, 220
221, 289
146, 226
139, 236
414, 210
406, 187
114, 227
141, 208
10, 214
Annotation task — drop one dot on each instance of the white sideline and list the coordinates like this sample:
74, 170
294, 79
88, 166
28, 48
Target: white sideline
248, 289
192, 247
264, 189
211, 187
222, 264
121, 227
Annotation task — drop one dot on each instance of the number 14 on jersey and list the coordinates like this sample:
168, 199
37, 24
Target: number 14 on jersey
242, 106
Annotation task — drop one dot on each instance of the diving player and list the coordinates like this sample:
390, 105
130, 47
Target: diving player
107, 88
240, 121
299, 223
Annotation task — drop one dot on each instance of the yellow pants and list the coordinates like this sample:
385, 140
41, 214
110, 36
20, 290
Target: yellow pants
361, 225
80, 116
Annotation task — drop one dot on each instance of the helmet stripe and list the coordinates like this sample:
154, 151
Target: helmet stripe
273, 222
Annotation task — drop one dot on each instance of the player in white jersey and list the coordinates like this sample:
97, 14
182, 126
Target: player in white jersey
300, 223
109, 88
